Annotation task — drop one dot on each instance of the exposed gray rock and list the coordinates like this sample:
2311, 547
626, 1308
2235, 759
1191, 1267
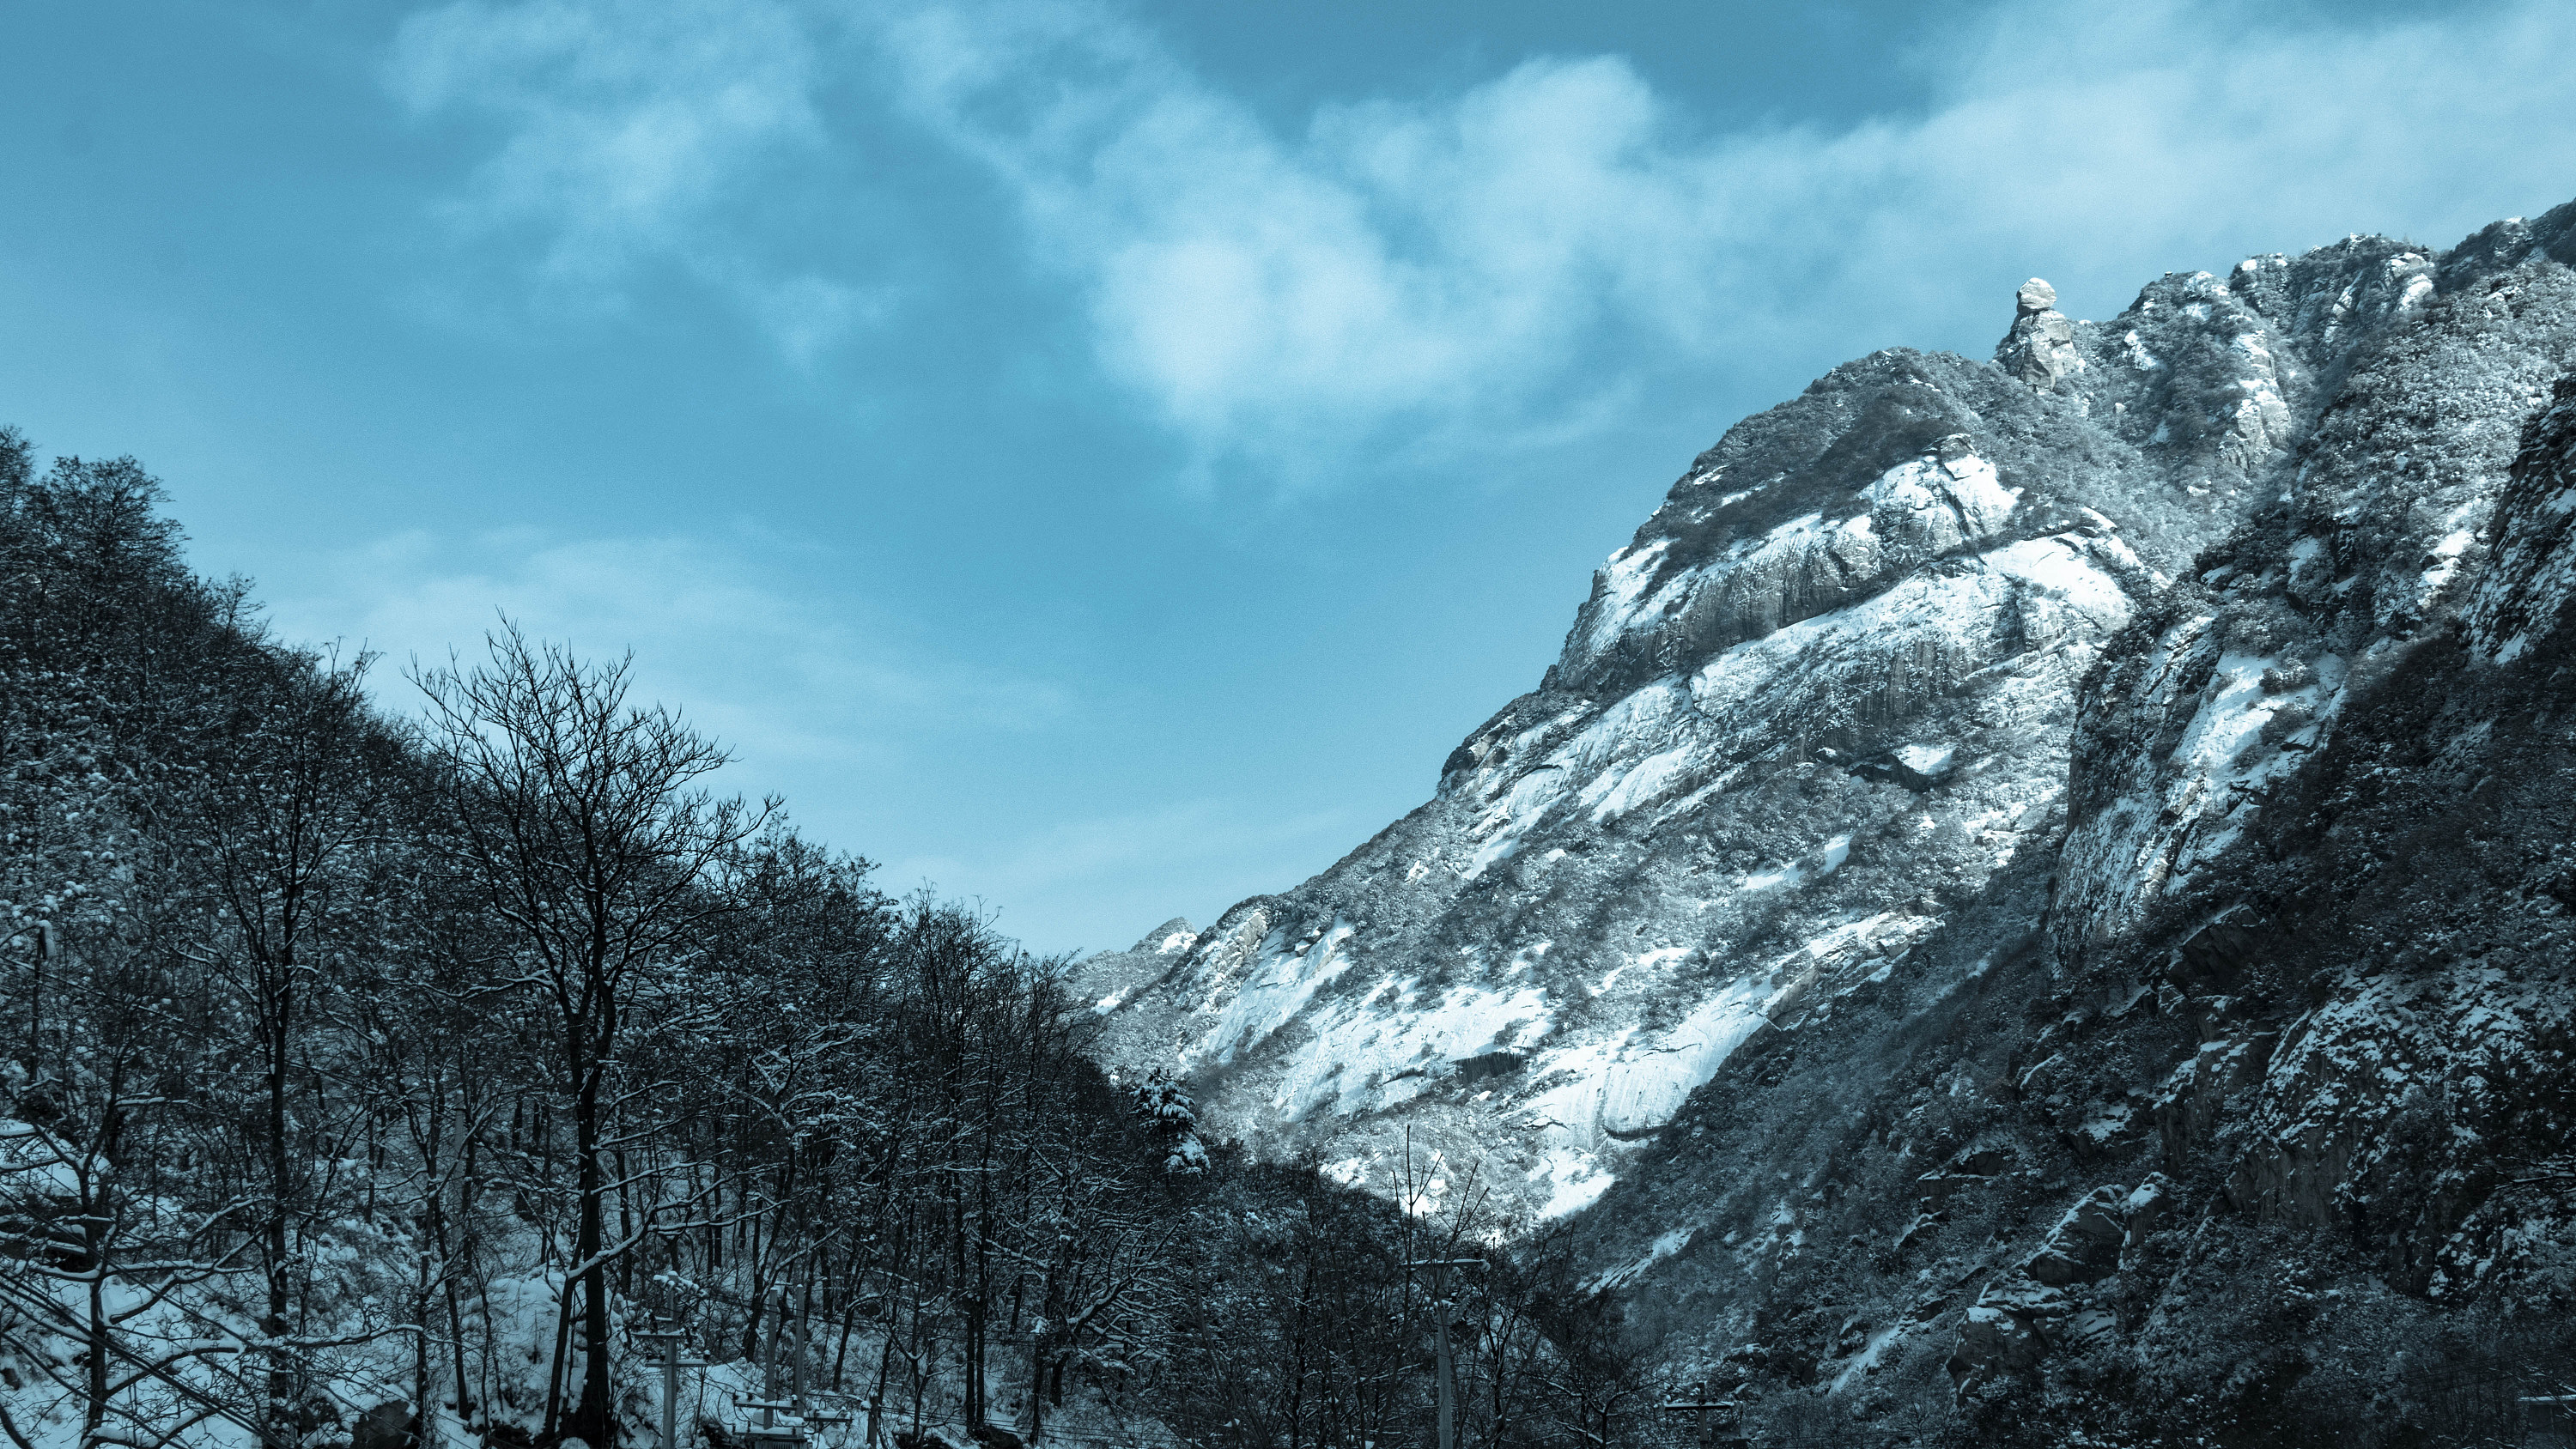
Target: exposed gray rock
1993, 1340
1108, 980
2145, 759
1801, 722
2040, 349
2085, 1244
2524, 593
386, 1426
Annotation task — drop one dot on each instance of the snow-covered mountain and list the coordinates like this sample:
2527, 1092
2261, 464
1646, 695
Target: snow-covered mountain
1994, 822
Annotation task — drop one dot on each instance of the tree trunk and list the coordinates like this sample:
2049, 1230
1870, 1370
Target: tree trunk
449, 1260
590, 1418
279, 1431
94, 1413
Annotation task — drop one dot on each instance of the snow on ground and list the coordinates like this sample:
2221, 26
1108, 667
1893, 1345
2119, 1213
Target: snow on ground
1384, 1047
1398, 1041
2226, 765
1627, 756
2252, 722
1628, 1082
1646, 964
1939, 504
1868, 1358
30, 1168
1283, 982
1645, 715
1623, 590
1656, 741
1665, 1245
2070, 571
2061, 574
517, 1308
1646, 1088
1802, 870
1528, 802
2442, 561
1575, 1180
1616, 791
1926, 505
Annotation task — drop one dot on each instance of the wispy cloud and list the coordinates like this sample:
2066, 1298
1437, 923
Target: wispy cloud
1464, 269
1093, 883
636, 134
1451, 277
796, 685
831, 708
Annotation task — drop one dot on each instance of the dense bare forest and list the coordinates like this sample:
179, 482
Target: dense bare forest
379, 1078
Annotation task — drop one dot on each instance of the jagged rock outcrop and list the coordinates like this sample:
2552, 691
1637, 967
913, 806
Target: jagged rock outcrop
2061, 859
2040, 349
2532, 573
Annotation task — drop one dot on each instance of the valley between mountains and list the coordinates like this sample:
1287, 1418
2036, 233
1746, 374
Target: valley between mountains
2033, 908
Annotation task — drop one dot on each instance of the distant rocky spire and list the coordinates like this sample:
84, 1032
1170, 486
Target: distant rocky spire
2040, 348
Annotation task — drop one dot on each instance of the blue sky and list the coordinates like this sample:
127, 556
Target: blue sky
1101, 457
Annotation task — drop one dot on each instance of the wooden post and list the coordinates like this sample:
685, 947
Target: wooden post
672, 1360
804, 1345
1445, 1373
1448, 1371
769, 1363
1728, 1429
671, 1397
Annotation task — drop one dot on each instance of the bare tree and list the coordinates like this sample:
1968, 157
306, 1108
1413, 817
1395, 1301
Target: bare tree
583, 819
297, 791
96, 1252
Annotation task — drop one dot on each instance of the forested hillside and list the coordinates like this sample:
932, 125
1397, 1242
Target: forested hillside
375, 1079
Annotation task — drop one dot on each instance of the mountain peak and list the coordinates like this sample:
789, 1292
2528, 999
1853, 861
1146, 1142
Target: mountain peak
1904, 795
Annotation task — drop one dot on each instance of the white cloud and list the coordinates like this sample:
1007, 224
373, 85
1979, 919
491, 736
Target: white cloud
1465, 268
1430, 262
637, 133
1456, 276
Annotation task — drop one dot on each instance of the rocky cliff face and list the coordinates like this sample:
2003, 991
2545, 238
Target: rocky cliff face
2010, 857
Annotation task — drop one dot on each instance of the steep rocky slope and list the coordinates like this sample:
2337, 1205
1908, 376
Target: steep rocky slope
2011, 856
